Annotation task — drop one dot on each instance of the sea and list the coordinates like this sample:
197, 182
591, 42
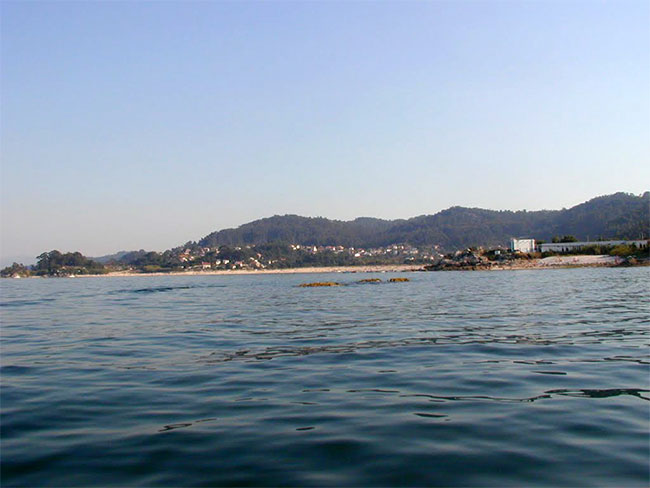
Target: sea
502, 378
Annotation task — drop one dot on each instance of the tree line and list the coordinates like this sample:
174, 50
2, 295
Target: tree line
56, 263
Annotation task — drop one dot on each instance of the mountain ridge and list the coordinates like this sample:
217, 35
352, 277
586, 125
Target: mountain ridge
619, 215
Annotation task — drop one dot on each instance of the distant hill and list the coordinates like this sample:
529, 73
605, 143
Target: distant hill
294, 229
621, 215
111, 257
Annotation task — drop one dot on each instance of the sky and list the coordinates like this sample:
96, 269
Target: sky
130, 125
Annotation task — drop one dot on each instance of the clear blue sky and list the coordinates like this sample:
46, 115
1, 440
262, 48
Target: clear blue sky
147, 124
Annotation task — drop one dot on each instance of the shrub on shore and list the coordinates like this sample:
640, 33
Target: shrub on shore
15, 270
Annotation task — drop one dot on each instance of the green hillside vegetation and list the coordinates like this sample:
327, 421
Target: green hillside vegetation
293, 229
55, 263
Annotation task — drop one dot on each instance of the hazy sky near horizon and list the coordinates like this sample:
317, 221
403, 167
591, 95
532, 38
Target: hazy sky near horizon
129, 125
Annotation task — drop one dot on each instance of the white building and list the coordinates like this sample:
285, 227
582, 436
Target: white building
570, 246
522, 245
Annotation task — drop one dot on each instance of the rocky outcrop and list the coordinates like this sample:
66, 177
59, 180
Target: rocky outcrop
467, 259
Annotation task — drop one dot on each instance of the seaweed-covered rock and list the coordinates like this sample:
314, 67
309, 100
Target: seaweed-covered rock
398, 280
370, 280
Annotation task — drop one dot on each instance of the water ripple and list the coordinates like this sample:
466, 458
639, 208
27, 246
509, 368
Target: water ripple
457, 379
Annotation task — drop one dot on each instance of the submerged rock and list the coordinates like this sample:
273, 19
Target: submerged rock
398, 280
320, 283
370, 280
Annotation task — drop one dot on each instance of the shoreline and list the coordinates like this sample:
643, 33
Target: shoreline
567, 262
383, 268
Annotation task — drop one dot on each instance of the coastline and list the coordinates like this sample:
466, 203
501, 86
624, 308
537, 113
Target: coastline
555, 262
398, 268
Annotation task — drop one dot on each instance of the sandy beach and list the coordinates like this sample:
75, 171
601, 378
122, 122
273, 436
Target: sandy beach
597, 260
331, 269
562, 262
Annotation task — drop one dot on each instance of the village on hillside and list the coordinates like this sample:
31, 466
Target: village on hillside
564, 251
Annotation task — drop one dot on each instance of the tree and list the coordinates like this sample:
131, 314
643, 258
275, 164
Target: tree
54, 263
15, 270
566, 238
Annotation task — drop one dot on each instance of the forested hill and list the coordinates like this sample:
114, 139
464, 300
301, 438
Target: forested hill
293, 229
620, 215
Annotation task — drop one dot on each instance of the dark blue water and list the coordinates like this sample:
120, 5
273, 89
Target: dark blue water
453, 379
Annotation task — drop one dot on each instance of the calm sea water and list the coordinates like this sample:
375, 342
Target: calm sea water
453, 379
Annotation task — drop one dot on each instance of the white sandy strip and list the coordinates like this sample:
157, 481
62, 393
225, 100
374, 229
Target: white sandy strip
331, 269
579, 260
